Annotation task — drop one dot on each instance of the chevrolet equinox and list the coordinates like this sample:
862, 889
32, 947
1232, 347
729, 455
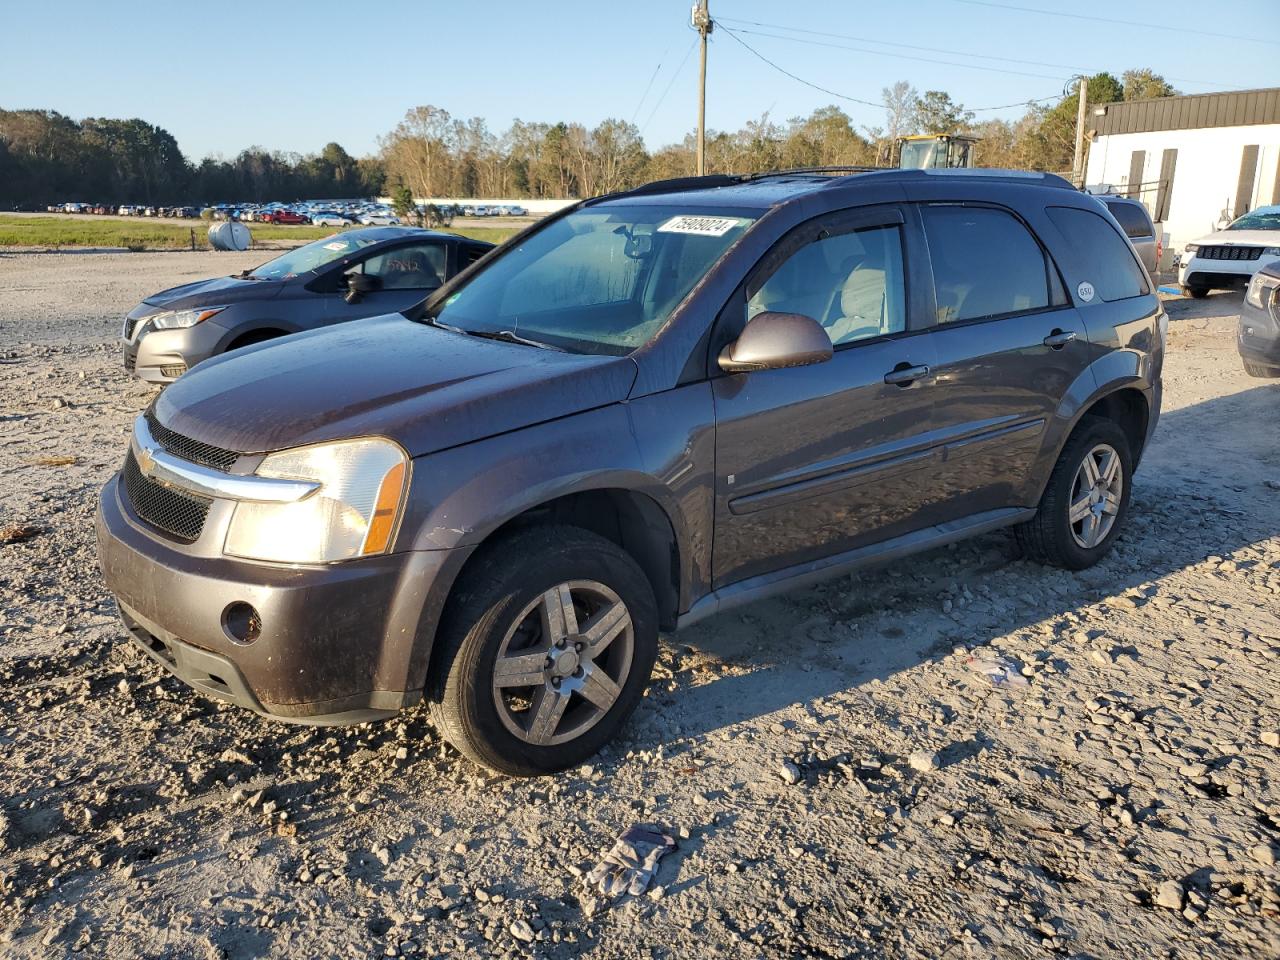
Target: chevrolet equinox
649, 408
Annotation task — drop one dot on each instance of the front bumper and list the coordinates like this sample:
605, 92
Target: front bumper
1220, 274
1258, 335
338, 643
161, 356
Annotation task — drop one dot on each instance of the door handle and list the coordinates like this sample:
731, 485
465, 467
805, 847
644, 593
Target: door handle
904, 375
1059, 339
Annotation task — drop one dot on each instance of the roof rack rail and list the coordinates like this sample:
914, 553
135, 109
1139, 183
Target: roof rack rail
788, 171
682, 183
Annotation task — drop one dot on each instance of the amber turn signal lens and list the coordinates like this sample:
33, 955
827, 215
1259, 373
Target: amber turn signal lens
385, 511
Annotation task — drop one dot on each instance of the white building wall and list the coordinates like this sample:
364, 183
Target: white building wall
1204, 180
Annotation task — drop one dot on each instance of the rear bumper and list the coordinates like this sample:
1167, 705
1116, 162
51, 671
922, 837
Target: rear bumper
337, 643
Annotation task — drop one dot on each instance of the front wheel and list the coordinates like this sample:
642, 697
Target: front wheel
1258, 370
545, 650
1086, 500
1195, 292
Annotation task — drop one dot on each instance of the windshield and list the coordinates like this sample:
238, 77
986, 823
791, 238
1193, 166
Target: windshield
311, 256
1264, 218
601, 280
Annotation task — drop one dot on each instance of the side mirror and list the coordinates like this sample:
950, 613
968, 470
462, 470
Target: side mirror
358, 284
771, 341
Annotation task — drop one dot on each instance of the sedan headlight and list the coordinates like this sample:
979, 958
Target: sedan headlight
354, 513
177, 319
1261, 289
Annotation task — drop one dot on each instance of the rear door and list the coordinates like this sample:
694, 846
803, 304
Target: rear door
1008, 344
812, 461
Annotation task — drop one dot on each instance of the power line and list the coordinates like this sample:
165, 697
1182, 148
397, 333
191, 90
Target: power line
890, 43
1113, 20
831, 93
903, 56
649, 86
909, 46
670, 84
865, 103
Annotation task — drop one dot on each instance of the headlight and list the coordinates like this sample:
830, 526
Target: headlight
1271, 251
1261, 289
176, 319
353, 514
1191, 248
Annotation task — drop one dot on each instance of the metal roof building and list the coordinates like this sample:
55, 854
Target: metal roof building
1195, 161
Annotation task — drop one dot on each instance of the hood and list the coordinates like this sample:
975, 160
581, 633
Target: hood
424, 387
1242, 238
213, 293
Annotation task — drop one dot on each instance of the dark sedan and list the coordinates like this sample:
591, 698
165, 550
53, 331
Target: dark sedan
349, 276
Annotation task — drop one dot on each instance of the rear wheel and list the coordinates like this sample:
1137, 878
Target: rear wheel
544, 652
1086, 500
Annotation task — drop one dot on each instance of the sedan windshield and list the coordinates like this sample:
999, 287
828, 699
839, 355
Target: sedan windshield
1264, 218
601, 280
311, 256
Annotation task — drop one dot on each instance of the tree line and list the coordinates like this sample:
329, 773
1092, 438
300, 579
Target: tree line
45, 156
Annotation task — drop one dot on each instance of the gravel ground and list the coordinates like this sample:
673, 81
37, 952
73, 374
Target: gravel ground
842, 781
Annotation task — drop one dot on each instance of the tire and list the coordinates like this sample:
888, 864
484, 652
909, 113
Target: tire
1258, 370
504, 604
1196, 293
1050, 537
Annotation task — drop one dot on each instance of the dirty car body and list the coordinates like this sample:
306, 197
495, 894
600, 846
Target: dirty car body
936, 410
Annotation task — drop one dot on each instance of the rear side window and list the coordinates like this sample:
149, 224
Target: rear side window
1109, 261
1133, 220
985, 263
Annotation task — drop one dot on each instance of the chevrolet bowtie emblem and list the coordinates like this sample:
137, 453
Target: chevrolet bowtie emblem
146, 461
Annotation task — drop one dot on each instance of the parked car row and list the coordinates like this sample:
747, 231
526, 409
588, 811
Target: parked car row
493, 491
122, 210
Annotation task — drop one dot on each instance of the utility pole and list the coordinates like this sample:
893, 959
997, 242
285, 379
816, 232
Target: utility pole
1077, 165
703, 24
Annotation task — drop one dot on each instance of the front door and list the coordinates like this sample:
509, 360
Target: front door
404, 276
812, 461
1008, 346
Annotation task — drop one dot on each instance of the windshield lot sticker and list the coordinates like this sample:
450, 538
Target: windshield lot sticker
701, 226
1085, 290
336, 245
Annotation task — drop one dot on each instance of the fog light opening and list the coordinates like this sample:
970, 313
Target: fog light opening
173, 370
241, 622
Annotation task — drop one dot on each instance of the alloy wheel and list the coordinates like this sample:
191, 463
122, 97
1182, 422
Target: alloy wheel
1096, 494
563, 663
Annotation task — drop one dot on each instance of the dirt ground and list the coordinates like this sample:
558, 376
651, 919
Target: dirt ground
843, 782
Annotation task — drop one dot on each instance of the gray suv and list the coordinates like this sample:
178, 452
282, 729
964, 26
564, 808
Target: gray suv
350, 275
650, 408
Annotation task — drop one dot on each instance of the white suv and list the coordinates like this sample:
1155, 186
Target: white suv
1229, 258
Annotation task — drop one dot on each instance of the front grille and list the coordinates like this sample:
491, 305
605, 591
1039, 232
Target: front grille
188, 449
130, 361
1230, 253
181, 515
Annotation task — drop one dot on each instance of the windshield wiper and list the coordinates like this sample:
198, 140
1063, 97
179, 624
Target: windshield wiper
507, 336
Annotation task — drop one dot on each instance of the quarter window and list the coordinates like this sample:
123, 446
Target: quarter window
851, 283
1109, 261
985, 263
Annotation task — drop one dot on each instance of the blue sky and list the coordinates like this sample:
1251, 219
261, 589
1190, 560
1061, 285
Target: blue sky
224, 75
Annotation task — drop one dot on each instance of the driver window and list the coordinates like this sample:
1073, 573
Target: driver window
851, 283
419, 267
